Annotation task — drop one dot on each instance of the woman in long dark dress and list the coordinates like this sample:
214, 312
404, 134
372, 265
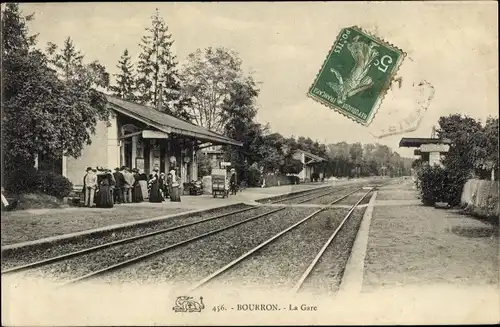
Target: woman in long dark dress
104, 198
162, 182
155, 194
143, 182
137, 190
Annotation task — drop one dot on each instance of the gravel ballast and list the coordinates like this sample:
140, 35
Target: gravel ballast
355, 197
308, 197
281, 263
327, 275
191, 263
20, 257
334, 196
88, 263
280, 198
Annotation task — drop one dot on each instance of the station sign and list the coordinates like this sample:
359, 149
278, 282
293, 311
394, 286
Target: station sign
154, 135
434, 148
225, 164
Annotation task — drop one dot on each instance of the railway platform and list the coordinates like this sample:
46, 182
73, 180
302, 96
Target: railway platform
24, 226
411, 262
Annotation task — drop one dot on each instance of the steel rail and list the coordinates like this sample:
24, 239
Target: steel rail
309, 269
305, 193
114, 243
138, 237
270, 240
170, 247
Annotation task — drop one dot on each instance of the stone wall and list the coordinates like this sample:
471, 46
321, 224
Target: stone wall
480, 197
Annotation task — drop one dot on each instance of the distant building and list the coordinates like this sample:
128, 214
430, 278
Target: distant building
310, 162
215, 155
142, 137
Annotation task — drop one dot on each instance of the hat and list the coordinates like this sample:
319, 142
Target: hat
155, 169
117, 169
89, 168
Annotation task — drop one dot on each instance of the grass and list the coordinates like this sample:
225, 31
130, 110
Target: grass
28, 225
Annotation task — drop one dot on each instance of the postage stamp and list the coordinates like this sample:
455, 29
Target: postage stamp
356, 74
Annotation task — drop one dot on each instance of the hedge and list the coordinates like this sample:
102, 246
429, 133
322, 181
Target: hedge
438, 184
31, 180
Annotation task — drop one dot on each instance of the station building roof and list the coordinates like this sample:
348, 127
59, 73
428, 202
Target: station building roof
166, 123
410, 142
313, 157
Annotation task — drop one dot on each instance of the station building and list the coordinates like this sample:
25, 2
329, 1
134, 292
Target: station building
309, 161
141, 137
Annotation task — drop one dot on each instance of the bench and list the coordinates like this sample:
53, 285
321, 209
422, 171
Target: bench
76, 196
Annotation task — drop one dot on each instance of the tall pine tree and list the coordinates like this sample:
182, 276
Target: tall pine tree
70, 67
68, 61
158, 81
125, 80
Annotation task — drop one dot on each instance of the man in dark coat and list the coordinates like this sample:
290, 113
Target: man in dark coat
119, 184
232, 182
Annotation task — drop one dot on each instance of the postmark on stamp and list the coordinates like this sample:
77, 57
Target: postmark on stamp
405, 104
356, 74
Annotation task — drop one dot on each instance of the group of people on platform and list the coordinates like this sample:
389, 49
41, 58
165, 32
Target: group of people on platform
103, 189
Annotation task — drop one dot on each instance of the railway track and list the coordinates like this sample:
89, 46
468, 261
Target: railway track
312, 194
310, 268
133, 240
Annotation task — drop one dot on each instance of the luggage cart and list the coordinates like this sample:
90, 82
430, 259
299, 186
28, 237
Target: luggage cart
219, 183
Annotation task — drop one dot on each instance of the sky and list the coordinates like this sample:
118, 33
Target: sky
451, 45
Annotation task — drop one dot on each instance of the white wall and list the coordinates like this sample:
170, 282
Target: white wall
302, 158
93, 155
113, 145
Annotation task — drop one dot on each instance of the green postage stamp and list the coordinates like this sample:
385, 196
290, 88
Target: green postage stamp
356, 74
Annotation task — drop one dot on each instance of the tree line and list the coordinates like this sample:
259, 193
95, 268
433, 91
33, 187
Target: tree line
53, 100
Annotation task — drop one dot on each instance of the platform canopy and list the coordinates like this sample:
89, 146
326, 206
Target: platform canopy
312, 157
166, 123
409, 142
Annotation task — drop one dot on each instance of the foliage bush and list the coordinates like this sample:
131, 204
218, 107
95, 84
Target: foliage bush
254, 177
31, 180
54, 184
21, 180
455, 182
438, 184
433, 181
294, 179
